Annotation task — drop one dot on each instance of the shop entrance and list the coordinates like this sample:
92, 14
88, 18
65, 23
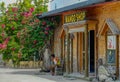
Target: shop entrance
91, 51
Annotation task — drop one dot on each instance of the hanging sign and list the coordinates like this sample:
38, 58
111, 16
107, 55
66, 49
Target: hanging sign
74, 17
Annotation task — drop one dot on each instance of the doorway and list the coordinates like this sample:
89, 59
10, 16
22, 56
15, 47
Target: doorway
91, 51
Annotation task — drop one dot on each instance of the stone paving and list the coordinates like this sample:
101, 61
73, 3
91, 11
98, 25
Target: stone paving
31, 75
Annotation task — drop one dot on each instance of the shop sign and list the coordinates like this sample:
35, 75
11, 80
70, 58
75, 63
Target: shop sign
74, 17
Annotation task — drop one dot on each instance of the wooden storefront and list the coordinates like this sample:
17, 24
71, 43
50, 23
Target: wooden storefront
84, 36
78, 39
86, 40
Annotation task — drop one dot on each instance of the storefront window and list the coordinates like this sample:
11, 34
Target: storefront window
111, 49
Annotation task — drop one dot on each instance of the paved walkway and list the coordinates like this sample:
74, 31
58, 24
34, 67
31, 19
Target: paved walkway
31, 75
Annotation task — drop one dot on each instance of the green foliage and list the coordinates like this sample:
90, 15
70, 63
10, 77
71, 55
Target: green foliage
21, 33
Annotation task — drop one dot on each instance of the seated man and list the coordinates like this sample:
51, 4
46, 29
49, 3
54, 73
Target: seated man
54, 62
103, 74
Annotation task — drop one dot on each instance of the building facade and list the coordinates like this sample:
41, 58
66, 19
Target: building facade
87, 34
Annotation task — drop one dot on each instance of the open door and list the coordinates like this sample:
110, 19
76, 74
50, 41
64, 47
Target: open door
91, 51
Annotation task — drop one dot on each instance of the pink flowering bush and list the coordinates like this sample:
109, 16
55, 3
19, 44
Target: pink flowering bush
21, 31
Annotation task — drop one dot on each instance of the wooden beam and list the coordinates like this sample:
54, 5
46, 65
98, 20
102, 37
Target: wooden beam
78, 47
109, 24
96, 49
86, 52
117, 57
62, 33
81, 29
67, 53
71, 55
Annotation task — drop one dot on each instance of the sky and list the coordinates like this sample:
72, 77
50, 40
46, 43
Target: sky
8, 1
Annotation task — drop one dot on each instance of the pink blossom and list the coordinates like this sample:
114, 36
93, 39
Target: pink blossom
22, 13
3, 25
27, 14
3, 46
8, 38
43, 23
15, 19
7, 11
6, 41
31, 9
15, 14
0, 46
35, 41
13, 49
47, 28
36, 20
37, 14
13, 28
2, 34
23, 22
46, 32
14, 9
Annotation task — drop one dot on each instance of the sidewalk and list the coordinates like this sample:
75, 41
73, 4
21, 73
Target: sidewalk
80, 76
28, 74
60, 78
32, 75
77, 75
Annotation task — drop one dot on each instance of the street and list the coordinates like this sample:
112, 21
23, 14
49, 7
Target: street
31, 75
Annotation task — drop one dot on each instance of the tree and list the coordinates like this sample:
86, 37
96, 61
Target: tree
21, 33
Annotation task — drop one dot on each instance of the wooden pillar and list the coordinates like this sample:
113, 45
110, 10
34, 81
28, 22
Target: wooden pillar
71, 55
78, 51
117, 57
68, 54
86, 52
67, 51
81, 52
96, 49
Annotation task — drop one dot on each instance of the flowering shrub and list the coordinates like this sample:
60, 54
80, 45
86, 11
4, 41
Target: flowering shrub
21, 33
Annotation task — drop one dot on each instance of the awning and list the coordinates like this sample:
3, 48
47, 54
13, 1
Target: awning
81, 29
110, 25
76, 23
71, 7
113, 27
79, 26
